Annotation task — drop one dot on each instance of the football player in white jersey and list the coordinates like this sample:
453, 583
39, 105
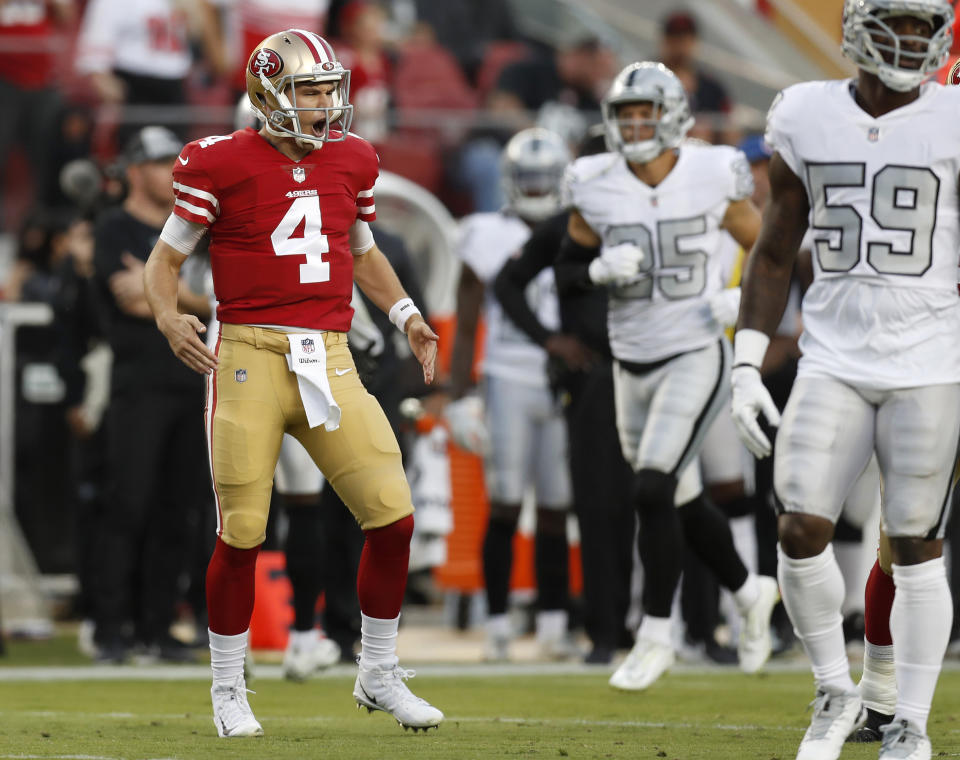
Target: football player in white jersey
655, 209
871, 165
528, 440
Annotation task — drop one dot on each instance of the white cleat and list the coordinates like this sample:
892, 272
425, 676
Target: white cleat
755, 642
231, 712
646, 662
835, 715
902, 741
496, 649
301, 662
382, 688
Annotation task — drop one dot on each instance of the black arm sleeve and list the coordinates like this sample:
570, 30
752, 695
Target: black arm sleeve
572, 267
538, 253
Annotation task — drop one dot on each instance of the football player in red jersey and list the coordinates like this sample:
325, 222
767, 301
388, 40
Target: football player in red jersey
286, 209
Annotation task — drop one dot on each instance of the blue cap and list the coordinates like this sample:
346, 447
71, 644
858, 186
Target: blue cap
755, 148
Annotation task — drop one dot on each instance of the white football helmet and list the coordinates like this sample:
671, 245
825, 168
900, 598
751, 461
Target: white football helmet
531, 166
648, 82
873, 46
281, 61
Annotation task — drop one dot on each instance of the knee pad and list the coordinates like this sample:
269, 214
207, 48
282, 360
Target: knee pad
653, 489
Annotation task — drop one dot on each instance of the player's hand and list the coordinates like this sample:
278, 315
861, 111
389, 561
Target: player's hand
750, 399
182, 332
423, 343
616, 265
467, 424
574, 353
725, 306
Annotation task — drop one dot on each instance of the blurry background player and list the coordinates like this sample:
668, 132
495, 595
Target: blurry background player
580, 373
870, 165
528, 439
655, 210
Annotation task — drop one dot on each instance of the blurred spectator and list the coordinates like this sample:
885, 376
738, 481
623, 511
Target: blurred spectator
576, 75
153, 424
758, 153
465, 27
708, 98
29, 40
361, 49
247, 22
137, 52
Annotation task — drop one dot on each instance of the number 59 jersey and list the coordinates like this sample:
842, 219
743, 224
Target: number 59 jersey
677, 225
883, 311
279, 229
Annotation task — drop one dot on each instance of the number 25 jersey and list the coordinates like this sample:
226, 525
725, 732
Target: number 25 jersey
883, 311
279, 229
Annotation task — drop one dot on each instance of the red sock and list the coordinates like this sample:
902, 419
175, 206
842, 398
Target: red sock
382, 575
230, 588
878, 600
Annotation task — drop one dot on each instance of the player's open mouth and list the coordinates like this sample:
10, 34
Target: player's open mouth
319, 128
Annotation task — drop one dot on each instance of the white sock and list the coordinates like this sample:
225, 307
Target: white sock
878, 685
656, 629
499, 626
551, 625
303, 640
813, 592
920, 623
747, 594
226, 656
378, 641
744, 531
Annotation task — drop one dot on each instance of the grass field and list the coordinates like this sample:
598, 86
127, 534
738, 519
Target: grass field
532, 712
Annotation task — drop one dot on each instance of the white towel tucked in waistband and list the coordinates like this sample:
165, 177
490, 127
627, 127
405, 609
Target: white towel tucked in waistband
308, 359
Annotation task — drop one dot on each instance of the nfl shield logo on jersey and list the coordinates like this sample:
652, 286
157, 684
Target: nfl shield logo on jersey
240, 375
299, 173
307, 344
873, 134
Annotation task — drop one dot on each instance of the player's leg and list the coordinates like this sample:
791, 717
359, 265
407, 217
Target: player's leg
506, 469
554, 497
298, 481
878, 684
244, 416
361, 461
917, 434
824, 442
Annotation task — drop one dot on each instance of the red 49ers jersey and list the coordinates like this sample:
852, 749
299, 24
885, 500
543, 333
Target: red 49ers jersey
279, 229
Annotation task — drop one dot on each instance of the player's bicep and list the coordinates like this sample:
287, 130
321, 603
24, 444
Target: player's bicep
742, 220
785, 217
581, 232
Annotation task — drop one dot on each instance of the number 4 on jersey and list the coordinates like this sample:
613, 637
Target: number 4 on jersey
313, 244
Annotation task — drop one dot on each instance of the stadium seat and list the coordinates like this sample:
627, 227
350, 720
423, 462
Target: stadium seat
496, 57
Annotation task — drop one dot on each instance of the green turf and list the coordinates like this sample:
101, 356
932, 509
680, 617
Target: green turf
684, 716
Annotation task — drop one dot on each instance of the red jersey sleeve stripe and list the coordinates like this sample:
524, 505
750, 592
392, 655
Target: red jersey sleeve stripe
199, 196
193, 213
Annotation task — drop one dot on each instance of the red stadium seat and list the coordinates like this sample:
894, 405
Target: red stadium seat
497, 56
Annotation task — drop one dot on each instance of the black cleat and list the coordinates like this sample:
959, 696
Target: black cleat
870, 731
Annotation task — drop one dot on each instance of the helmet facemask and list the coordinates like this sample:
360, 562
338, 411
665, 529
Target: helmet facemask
277, 66
655, 84
871, 43
532, 169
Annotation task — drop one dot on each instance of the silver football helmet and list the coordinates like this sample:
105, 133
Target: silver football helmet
873, 46
649, 82
532, 165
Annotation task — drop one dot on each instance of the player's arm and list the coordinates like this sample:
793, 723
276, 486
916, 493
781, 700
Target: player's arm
538, 253
579, 247
766, 277
375, 277
469, 299
743, 221
766, 284
161, 282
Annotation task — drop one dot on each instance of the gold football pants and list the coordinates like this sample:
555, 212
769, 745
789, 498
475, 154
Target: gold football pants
253, 399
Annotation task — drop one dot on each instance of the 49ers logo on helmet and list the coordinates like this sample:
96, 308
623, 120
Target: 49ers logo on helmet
954, 76
267, 62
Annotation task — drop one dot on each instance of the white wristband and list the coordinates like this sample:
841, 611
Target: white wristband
401, 311
749, 347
